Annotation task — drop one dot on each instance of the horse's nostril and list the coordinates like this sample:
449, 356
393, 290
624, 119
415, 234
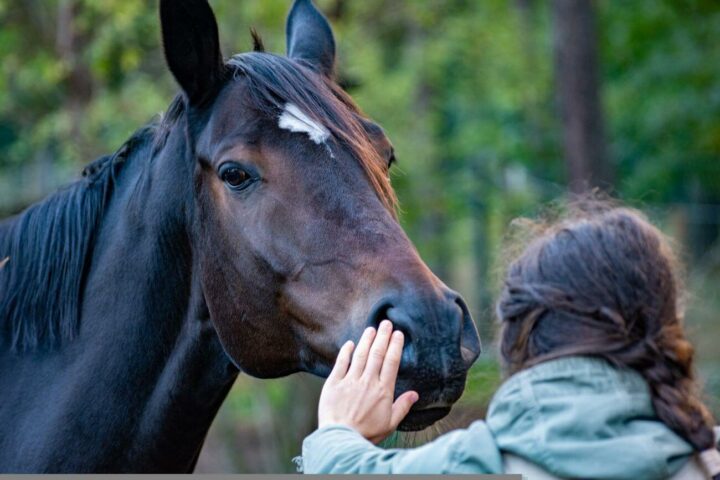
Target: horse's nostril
386, 310
378, 314
390, 309
402, 321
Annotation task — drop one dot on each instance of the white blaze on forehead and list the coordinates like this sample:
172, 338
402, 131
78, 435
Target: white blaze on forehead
295, 120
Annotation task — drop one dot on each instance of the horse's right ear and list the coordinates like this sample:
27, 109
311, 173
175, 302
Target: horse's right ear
310, 37
192, 47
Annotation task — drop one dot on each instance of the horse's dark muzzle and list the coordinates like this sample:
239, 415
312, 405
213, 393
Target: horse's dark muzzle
441, 344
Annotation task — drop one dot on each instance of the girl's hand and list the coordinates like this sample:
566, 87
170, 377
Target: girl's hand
360, 395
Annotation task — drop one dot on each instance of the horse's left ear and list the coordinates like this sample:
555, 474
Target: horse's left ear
310, 38
192, 47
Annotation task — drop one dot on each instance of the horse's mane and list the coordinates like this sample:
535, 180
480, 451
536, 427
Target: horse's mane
48, 249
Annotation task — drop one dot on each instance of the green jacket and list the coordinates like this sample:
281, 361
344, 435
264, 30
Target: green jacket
574, 417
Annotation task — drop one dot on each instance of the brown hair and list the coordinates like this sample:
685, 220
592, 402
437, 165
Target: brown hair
604, 282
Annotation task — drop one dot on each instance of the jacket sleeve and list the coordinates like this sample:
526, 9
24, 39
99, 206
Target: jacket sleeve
340, 449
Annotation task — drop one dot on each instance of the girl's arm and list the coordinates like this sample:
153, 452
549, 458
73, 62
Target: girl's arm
340, 449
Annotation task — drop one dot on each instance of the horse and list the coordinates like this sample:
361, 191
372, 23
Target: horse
252, 228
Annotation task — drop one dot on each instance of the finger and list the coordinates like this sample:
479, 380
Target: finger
342, 362
402, 407
391, 365
378, 349
359, 358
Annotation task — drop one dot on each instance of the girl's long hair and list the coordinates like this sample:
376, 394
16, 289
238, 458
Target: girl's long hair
604, 282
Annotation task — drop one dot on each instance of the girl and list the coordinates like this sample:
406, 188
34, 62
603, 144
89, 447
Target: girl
601, 375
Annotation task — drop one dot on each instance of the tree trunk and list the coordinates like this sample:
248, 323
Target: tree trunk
576, 65
69, 45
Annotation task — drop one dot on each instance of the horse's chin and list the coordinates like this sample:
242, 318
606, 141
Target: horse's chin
422, 418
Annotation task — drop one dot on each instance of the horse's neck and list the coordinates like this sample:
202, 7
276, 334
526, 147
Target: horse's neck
166, 350
139, 387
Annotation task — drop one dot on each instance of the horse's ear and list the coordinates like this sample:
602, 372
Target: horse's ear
310, 38
192, 47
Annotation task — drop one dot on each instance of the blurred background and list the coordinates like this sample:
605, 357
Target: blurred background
494, 108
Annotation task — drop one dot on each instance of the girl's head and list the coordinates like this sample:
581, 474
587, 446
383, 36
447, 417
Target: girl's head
604, 282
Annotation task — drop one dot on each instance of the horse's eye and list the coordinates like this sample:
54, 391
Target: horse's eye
235, 176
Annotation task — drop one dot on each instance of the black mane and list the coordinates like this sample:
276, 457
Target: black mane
49, 247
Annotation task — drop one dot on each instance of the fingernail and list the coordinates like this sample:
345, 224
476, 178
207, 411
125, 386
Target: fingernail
397, 335
385, 324
348, 344
415, 397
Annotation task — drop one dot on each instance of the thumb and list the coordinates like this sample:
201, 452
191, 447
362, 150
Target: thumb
402, 406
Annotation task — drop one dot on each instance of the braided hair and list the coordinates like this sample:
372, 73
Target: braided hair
604, 282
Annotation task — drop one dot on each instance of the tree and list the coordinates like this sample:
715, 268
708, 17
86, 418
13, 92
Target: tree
576, 63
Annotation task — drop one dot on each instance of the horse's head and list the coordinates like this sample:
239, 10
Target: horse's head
297, 245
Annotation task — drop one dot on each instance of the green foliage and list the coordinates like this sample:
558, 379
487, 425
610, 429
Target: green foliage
661, 61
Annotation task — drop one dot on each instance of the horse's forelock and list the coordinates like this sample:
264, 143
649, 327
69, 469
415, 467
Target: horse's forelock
274, 82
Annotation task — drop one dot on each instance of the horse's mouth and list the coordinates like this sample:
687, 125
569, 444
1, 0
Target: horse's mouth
423, 418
